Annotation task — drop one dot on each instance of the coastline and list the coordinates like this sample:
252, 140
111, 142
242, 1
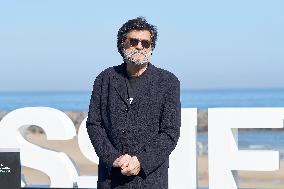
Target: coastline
78, 116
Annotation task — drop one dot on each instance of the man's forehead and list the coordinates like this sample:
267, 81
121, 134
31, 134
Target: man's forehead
142, 34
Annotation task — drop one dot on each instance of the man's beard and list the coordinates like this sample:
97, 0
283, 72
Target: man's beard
128, 56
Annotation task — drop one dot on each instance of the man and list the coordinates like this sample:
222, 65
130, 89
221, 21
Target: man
134, 114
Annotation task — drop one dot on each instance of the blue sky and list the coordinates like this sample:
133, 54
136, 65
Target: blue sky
64, 45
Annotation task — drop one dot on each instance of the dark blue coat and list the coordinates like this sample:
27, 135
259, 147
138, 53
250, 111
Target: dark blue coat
149, 128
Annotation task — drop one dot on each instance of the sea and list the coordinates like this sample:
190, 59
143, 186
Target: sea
201, 99
210, 98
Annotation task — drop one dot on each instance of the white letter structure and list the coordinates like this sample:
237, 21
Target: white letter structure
224, 157
183, 164
57, 126
59, 167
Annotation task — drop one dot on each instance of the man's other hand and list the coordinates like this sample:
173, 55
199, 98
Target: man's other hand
122, 161
133, 167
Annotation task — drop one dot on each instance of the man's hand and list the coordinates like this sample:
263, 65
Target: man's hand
122, 161
133, 167
128, 165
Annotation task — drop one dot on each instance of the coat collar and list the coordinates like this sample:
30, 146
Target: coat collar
120, 82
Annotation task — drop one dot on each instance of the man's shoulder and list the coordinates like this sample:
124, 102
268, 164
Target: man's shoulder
109, 71
168, 81
166, 75
106, 72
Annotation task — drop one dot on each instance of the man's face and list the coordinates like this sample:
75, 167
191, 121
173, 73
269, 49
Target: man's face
138, 45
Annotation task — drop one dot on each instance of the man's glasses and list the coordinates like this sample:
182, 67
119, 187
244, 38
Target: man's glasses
134, 42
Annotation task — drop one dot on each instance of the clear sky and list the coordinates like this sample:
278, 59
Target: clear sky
64, 45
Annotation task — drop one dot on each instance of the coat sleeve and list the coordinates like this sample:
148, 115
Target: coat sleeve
97, 134
160, 147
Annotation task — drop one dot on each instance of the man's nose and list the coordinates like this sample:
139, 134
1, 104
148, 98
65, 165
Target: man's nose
139, 45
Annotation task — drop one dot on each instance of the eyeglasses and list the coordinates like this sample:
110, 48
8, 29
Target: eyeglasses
134, 42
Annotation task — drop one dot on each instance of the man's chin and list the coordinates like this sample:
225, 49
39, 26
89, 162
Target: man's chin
139, 58
134, 62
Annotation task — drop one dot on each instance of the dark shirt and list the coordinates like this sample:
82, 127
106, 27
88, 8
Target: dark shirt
133, 83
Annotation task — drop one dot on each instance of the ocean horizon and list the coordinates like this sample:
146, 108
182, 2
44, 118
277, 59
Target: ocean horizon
197, 98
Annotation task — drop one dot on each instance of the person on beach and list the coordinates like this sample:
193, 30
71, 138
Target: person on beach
134, 115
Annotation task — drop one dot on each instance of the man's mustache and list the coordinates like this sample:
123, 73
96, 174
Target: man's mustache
136, 51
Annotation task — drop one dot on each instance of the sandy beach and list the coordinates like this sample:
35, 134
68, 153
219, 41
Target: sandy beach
247, 179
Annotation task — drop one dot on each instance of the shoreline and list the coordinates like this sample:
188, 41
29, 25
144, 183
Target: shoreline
202, 120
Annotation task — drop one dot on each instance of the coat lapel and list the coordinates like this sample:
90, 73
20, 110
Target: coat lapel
119, 82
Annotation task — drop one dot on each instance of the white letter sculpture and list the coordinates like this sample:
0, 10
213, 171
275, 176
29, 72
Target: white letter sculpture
182, 171
57, 126
224, 156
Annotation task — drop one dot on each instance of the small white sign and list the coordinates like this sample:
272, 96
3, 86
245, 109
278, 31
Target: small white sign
4, 169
